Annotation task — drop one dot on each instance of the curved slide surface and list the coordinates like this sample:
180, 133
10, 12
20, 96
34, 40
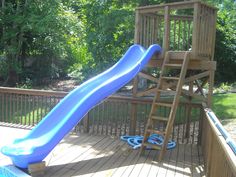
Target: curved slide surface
35, 146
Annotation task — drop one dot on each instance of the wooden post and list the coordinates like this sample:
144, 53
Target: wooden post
196, 26
133, 114
189, 110
199, 141
214, 35
166, 37
137, 27
210, 89
37, 169
86, 123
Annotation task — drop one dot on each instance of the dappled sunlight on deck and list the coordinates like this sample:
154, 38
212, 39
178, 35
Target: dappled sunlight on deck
90, 155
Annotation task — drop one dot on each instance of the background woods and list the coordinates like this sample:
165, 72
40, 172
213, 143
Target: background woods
43, 40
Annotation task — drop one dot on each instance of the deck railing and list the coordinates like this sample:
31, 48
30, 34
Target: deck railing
25, 108
219, 150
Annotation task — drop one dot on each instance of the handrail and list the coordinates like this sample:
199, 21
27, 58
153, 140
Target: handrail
217, 147
182, 4
61, 94
222, 130
34, 92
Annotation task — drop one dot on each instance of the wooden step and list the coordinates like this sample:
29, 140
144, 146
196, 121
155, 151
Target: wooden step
168, 91
156, 131
170, 78
160, 118
173, 65
163, 104
153, 146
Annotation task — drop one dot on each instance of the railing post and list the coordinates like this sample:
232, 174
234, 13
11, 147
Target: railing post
133, 116
196, 27
166, 36
188, 111
86, 123
137, 27
200, 126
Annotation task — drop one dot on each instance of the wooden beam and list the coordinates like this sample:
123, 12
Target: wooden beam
133, 113
194, 64
86, 123
210, 88
202, 65
194, 95
196, 27
146, 92
175, 5
189, 110
172, 17
32, 92
148, 76
137, 28
197, 76
214, 34
166, 36
177, 55
199, 88
203, 83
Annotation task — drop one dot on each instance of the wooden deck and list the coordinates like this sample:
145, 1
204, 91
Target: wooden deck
103, 156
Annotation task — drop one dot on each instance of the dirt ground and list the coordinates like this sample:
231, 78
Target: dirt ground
230, 126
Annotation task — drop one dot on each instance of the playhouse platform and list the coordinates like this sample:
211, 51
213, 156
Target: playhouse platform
89, 155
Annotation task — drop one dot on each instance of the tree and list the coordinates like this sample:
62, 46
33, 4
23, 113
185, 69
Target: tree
35, 28
225, 50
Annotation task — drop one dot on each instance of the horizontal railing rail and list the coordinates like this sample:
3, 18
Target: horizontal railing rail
113, 116
219, 150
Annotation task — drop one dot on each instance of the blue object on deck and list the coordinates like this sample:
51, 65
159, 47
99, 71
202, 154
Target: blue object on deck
35, 146
136, 141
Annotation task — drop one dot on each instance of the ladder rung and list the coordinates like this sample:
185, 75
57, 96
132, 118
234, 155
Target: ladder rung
163, 104
156, 131
159, 118
173, 65
170, 78
153, 146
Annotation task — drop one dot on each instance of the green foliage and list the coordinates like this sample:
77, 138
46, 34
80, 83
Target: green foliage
43, 29
225, 50
25, 85
3, 67
109, 29
83, 38
223, 88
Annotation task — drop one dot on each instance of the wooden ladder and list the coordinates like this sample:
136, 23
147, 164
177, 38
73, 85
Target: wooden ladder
165, 83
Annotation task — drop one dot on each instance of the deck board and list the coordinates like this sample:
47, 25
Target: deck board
87, 155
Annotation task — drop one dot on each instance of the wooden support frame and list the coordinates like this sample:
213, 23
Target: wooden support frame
194, 34
146, 92
148, 76
37, 169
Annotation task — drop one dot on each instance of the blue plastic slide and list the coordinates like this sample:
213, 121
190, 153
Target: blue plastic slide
35, 146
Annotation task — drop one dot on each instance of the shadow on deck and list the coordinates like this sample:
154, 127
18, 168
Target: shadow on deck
79, 155
89, 155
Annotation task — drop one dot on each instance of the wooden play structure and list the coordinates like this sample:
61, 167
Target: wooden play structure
186, 32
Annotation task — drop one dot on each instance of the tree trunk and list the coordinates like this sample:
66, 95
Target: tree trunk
12, 79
